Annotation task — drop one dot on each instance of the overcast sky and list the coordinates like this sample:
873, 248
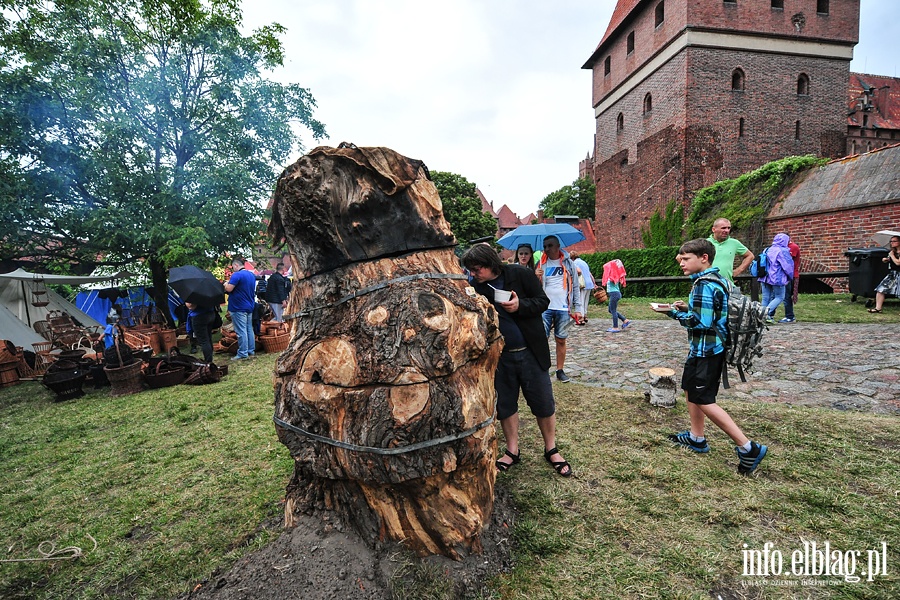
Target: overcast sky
490, 89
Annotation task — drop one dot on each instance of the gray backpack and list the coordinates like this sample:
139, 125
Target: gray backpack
746, 325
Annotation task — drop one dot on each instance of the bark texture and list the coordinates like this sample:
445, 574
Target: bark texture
386, 352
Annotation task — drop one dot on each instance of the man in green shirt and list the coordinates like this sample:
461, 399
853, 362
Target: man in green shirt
727, 248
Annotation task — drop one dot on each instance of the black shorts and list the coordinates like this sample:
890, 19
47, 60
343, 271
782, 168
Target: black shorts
701, 376
520, 370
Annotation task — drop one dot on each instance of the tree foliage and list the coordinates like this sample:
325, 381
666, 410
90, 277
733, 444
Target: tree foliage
578, 199
139, 130
462, 207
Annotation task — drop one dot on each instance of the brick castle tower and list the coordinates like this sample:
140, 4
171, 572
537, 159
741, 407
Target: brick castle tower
689, 92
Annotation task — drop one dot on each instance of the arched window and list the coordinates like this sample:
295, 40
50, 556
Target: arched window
803, 85
607, 65
660, 14
741, 127
620, 122
648, 103
822, 7
629, 43
737, 80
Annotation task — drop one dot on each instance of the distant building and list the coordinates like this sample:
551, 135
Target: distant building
690, 92
873, 119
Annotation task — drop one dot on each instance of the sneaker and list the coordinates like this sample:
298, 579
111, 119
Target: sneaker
684, 439
770, 320
238, 358
561, 376
786, 320
748, 461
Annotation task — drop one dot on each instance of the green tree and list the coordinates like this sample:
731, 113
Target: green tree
139, 130
462, 207
578, 199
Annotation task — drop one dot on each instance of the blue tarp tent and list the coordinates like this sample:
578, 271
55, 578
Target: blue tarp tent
98, 308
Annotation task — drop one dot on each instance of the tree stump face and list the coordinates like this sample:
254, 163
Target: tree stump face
385, 395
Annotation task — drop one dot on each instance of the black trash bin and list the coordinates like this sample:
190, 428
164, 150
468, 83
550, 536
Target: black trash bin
866, 271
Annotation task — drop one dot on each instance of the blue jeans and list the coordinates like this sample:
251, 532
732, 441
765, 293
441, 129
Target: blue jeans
614, 298
243, 327
557, 320
789, 300
772, 296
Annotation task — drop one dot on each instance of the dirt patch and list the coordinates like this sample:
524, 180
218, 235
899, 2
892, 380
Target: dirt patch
320, 560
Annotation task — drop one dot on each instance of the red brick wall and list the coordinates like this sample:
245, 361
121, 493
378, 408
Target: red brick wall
759, 16
694, 121
769, 105
824, 237
630, 192
745, 16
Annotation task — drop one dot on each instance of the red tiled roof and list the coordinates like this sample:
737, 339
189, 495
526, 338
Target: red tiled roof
485, 205
884, 98
527, 219
507, 219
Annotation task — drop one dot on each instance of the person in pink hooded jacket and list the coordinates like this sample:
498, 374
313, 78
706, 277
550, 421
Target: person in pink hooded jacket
614, 281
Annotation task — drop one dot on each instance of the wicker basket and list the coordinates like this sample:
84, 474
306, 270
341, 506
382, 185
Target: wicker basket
275, 343
9, 374
165, 375
67, 385
125, 380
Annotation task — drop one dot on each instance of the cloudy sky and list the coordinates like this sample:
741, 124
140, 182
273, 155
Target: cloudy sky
490, 89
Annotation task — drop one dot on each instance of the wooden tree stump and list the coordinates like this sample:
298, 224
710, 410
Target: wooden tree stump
385, 394
662, 387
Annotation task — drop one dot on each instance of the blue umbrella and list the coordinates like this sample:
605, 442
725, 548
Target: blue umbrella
534, 235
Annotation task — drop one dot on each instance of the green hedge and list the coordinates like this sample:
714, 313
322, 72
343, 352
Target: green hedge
643, 262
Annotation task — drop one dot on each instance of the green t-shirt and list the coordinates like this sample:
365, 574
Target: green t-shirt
725, 253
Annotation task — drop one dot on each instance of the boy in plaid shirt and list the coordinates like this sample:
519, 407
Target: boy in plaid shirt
705, 316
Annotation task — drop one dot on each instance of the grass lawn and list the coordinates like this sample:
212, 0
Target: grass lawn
176, 482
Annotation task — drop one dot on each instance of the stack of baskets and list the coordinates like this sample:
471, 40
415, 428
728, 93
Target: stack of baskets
276, 337
9, 363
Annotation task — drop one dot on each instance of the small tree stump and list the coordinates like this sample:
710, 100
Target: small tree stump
662, 387
385, 393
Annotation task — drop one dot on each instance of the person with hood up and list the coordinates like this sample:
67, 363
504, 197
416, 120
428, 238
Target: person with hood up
779, 271
614, 280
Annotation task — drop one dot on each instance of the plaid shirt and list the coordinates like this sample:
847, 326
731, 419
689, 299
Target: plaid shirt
706, 325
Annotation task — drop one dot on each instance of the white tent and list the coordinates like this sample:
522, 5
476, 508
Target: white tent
16, 301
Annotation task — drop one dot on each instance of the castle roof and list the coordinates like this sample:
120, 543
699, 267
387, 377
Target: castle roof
875, 96
850, 182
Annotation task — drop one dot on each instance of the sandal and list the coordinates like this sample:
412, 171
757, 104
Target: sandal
503, 467
874, 310
559, 466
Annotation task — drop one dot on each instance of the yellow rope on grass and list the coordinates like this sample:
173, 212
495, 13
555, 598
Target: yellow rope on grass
51, 553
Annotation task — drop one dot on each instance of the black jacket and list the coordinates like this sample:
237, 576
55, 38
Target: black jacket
532, 304
277, 288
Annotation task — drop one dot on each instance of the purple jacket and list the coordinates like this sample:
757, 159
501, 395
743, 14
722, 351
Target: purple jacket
781, 266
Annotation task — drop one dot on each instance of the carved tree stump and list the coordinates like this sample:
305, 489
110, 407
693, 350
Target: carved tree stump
662, 387
385, 394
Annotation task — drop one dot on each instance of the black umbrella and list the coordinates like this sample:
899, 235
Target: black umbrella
197, 286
